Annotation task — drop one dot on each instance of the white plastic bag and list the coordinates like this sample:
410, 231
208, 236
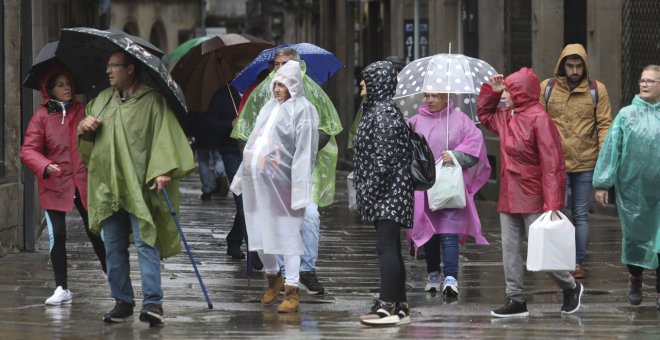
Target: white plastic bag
448, 190
352, 195
551, 243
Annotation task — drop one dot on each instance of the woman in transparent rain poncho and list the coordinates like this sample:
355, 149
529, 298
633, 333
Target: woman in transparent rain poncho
275, 181
628, 161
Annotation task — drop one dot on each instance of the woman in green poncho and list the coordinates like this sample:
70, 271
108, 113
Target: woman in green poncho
629, 162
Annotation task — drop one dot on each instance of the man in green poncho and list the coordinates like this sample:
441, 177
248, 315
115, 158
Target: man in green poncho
323, 175
134, 150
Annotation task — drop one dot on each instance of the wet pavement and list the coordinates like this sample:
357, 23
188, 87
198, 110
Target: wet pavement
348, 268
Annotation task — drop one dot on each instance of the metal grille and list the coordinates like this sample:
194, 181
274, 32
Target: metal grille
517, 34
641, 43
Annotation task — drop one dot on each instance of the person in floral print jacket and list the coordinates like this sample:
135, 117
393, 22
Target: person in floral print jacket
383, 181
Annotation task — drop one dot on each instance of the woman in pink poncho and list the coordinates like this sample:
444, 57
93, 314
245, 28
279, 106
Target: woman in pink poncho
446, 228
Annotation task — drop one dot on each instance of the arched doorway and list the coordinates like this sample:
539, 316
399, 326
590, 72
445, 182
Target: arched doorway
158, 35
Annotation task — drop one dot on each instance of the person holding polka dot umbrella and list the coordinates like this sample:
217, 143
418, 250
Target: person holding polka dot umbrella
425, 90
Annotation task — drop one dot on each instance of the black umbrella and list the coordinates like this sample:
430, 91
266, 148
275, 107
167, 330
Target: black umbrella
46, 60
85, 52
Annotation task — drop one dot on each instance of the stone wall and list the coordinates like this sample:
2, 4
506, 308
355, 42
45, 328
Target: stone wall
11, 188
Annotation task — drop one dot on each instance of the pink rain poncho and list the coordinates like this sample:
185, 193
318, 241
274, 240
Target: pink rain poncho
275, 177
464, 136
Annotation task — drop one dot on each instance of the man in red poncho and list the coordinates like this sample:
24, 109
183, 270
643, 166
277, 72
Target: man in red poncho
532, 180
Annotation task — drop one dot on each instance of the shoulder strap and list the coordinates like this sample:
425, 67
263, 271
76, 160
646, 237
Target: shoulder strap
593, 88
548, 90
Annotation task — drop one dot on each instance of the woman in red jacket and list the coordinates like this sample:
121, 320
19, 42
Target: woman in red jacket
532, 179
50, 151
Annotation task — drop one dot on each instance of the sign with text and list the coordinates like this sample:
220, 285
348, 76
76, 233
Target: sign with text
409, 39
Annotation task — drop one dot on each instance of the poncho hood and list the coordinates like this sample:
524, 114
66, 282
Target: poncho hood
291, 76
380, 78
524, 88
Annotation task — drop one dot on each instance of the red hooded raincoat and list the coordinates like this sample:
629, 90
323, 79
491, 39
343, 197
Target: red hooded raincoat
51, 138
533, 171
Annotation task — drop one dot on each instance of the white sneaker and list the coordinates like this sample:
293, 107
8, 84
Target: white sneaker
450, 287
60, 297
433, 283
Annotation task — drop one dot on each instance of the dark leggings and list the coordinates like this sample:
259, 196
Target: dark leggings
637, 272
57, 230
392, 270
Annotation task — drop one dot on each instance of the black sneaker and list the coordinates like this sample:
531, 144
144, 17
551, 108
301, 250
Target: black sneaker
572, 299
206, 196
309, 281
403, 311
634, 290
512, 309
120, 313
381, 314
153, 314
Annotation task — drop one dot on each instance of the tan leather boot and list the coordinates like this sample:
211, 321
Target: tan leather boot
290, 303
275, 282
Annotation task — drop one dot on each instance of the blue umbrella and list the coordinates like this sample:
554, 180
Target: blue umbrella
321, 64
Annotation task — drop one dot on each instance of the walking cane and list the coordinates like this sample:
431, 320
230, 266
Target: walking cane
185, 243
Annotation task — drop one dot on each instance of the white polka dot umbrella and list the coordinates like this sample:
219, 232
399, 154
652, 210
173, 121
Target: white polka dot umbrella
456, 74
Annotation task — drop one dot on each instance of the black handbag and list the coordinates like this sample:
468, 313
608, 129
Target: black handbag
423, 162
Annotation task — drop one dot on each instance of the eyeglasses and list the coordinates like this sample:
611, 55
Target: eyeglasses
114, 65
647, 82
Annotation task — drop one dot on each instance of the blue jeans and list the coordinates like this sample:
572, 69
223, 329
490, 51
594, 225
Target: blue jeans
449, 245
116, 231
237, 233
310, 237
203, 158
581, 195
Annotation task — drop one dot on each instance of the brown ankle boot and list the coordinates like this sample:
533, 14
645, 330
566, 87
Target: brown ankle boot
290, 303
275, 282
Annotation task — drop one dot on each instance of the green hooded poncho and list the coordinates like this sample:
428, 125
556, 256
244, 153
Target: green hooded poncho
323, 176
629, 162
138, 141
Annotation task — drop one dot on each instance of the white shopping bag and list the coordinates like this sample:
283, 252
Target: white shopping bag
352, 199
551, 243
449, 189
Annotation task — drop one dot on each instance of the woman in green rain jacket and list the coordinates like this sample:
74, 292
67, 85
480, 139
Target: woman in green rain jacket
629, 162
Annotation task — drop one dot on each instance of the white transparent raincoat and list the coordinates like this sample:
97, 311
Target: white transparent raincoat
275, 176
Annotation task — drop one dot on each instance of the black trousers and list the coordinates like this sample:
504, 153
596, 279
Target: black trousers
57, 230
392, 270
637, 272
238, 231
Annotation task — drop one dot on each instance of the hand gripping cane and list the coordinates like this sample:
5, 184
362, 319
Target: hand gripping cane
185, 243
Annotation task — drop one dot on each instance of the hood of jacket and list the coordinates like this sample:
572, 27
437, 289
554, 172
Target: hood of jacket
291, 76
639, 102
523, 86
43, 86
424, 110
572, 49
380, 78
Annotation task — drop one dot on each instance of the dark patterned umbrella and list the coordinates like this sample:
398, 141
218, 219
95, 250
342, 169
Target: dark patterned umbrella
85, 52
46, 60
212, 64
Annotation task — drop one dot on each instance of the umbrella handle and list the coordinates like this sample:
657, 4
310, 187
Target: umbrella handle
104, 106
